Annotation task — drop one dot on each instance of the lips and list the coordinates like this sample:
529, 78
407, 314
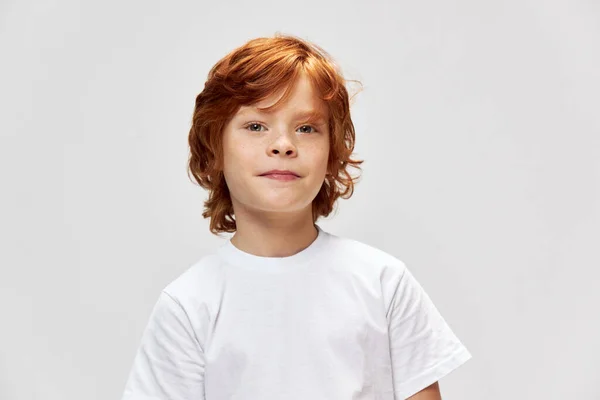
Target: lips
281, 173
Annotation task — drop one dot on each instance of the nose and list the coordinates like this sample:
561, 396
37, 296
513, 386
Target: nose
288, 152
283, 145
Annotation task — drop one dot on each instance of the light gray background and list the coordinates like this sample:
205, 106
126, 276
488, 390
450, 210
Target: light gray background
480, 129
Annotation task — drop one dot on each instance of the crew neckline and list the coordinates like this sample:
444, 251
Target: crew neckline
241, 259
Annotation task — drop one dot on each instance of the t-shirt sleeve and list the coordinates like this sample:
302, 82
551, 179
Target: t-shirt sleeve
423, 348
169, 363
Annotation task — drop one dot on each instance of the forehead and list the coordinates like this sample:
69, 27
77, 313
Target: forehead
303, 97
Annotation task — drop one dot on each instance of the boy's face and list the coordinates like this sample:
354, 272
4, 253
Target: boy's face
285, 139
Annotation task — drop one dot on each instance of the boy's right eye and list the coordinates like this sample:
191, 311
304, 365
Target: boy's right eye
253, 125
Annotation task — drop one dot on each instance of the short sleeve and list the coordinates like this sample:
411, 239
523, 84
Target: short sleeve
423, 348
169, 363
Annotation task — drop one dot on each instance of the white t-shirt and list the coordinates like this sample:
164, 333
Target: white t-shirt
338, 320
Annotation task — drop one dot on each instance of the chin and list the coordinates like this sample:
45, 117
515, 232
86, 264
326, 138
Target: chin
281, 208
279, 205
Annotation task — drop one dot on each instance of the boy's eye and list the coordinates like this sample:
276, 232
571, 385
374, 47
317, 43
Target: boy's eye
255, 127
307, 126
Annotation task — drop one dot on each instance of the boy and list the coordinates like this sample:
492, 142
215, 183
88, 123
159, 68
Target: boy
285, 310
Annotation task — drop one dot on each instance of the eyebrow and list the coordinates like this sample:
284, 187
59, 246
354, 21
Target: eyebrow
310, 114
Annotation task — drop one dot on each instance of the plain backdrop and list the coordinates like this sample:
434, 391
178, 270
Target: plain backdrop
479, 123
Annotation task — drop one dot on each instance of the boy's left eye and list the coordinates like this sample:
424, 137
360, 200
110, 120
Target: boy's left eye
307, 126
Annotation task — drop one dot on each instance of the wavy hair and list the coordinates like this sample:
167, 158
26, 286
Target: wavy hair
247, 75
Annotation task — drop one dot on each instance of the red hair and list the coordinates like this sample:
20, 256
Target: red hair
249, 74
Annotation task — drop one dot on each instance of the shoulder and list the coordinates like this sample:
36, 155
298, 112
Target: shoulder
380, 271
199, 282
362, 256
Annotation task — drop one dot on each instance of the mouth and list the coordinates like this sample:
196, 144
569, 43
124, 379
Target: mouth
281, 176
280, 173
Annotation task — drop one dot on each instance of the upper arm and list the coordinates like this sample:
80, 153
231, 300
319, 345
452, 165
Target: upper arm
169, 363
423, 348
431, 392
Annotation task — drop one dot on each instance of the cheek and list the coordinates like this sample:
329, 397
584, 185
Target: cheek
236, 153
321, 158
230, 162
239, 163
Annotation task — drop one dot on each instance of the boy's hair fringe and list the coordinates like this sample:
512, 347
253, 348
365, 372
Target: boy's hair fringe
249, 74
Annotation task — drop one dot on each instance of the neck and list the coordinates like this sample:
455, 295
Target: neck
274, 235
